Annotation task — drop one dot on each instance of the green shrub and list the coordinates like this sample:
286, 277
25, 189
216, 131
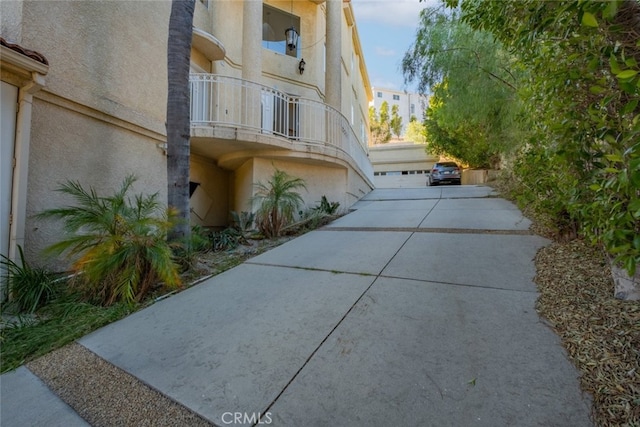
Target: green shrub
64, 320
118, 244
329, 208
186, 252
243, 222
277, 202
224, 240
29, 288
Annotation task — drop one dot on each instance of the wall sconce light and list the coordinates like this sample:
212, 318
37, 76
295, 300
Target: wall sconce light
291, 36
301, 66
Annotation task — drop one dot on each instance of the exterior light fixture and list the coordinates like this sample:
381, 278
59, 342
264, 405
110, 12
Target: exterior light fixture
291, 36
301, 66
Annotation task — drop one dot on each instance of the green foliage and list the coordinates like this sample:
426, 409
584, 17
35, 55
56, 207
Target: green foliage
461, 140
186, 250
395, 124
416, 132
277, 202
63, 321
583, 95
543, 189
326, 207
243, 222
224, 240
29, 288
118, 244
610, 207
379, 124
311, 219
474, 109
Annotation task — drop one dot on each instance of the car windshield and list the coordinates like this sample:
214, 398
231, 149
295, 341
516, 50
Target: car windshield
447, 165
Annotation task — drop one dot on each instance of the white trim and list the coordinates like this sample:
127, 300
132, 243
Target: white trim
206, 43
22, 61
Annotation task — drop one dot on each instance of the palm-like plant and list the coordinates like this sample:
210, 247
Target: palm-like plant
119, 244
277, 202
30, 287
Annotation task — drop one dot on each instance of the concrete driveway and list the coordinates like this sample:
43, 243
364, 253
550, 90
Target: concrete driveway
415, 309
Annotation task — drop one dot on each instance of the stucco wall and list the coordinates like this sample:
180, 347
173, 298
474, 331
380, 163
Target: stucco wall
242, 189
214, 186
99, 59
319, 180
203, 15
11, 21
69, 145
356, 189
102, 111
226, 26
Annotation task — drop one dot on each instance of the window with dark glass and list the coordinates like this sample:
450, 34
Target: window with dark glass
275, 23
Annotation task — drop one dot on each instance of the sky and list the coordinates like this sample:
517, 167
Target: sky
387, 29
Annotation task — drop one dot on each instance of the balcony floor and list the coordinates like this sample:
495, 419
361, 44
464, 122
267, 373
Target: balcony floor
231, 147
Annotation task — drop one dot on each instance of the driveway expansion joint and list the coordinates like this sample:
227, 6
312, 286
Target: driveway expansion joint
465, 285
432, 230
264, 264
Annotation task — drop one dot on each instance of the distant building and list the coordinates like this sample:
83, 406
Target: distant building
409, 104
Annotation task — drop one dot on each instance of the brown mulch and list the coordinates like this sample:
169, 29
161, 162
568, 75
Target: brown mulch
601, 334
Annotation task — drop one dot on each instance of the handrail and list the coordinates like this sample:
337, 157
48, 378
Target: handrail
229, 101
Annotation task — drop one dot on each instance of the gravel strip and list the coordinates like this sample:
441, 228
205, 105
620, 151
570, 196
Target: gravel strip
105, 395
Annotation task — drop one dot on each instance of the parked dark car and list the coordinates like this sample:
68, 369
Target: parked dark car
444, 172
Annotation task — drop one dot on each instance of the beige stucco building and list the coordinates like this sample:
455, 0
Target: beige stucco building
94, 110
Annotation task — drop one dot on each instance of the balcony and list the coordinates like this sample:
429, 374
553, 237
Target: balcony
232, 119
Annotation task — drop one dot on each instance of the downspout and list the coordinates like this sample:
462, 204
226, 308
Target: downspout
21, 169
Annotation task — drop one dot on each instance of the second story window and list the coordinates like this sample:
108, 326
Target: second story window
274, 24
396, 97
379, 94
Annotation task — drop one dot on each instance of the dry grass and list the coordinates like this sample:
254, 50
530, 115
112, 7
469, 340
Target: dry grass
601, 334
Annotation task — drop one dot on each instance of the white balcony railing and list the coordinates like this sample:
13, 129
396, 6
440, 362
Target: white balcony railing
228, 101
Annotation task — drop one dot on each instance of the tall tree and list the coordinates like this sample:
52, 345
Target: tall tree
473, 82
415, 131
379, 129
396, 121
178, 120
384, 114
